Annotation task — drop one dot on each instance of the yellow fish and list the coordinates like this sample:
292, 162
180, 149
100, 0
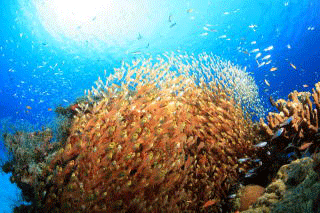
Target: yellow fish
267, 83
273, 69
294, 67
29, 107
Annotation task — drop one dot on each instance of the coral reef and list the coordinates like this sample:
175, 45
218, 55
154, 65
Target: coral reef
248, 195
295, 189
161, 134
297, 123
290, 134
27, 158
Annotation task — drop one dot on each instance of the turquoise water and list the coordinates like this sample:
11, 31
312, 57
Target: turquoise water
51, 51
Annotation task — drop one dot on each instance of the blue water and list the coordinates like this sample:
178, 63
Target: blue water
51, 51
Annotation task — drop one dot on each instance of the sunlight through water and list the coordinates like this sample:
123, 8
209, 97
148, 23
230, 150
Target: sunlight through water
114, 23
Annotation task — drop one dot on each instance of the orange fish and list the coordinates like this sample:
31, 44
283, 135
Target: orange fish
294, 67
49, 109
74, 107
305, 146
273, 69
209, 203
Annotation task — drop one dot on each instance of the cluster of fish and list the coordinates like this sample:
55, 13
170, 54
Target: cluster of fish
266, 147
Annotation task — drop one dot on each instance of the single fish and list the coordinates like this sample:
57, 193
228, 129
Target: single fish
251, 172
172, 25
255, 50
267, 82
266, 57
273, 69
206, 28
258, 55
242, 160
305, 85
232, 196
136, 53
293, 66
210, 203
261, 144
253, 42
204, 34
305, 146
278, 133
286, 122
257, 161
268, 48
245, 52
29, 107
263, 63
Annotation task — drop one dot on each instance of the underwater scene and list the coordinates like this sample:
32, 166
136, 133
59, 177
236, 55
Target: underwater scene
160, 106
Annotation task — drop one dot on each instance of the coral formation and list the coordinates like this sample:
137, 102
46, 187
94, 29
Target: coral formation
248, 195
27, 153
290, 134
159, 135
297, 121
295, 189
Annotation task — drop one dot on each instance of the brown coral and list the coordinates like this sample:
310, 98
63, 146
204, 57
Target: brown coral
298, 116
249, 195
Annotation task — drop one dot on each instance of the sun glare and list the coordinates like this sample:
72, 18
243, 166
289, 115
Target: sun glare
112, 22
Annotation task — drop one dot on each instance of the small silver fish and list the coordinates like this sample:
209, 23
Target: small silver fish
257, 160
263, 63
266, 57
268, 48
258, 55
232, 196
261, 144
255, 50
242, 160
251, 172
204, 34
278, 133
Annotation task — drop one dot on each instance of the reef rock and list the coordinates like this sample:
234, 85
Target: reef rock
295, 189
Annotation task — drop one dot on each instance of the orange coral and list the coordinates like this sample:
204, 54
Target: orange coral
249, 195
